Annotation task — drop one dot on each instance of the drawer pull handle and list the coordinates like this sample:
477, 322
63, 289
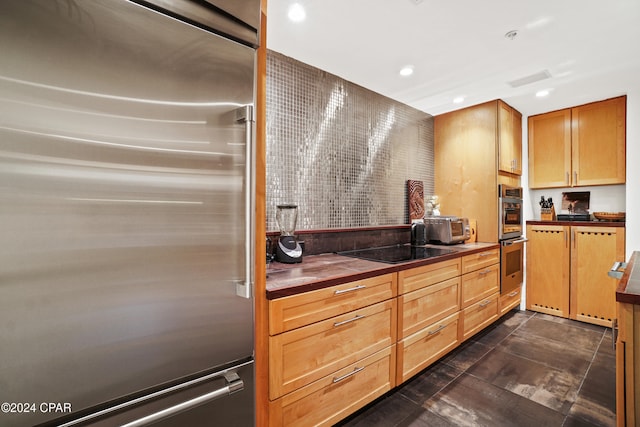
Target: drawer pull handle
485, 254
345, 376
485, 303
355, 288
513, 294
484, 272
441, 327
344, 322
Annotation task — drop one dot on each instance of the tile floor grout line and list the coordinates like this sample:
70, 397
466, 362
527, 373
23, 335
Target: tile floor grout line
464, 371
549, 366
595, 354
440, 393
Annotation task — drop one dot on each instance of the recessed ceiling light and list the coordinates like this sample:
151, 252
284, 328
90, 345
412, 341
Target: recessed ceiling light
296, 12
458, 99
406, 70
542, 93
511, 34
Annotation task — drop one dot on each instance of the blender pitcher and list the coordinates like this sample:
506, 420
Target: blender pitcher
288, 249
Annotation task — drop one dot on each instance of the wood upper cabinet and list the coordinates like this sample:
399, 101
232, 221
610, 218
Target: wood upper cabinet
509, 139
467, 143
579, 146
598, 141
550, 149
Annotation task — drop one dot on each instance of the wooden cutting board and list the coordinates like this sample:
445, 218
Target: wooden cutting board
473, 225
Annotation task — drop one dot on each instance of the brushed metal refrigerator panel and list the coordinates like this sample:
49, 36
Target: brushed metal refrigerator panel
122, 195
235, 410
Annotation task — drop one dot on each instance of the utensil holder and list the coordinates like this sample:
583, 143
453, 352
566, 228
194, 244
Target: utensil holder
548, 214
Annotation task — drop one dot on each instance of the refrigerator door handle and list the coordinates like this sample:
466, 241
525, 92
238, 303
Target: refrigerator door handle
234, 385
245, 114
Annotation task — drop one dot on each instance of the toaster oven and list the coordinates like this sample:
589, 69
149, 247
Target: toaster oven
447, 230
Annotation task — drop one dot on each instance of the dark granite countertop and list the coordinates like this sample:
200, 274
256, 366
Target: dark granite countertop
324, 270
628, 290
595, 223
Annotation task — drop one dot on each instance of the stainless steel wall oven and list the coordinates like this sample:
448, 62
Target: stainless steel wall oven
510, 209
511, 240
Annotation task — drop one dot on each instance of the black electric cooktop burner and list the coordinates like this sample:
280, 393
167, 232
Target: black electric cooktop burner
396, 254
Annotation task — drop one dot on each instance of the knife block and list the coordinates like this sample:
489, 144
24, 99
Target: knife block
548, 214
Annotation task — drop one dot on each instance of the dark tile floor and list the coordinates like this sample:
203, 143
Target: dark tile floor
528, 369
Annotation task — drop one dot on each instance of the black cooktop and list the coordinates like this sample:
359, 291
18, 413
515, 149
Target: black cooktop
396, 254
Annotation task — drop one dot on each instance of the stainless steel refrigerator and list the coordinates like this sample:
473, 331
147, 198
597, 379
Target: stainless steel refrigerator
126, 212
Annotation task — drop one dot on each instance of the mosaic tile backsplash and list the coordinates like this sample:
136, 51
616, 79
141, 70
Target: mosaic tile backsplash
340, 152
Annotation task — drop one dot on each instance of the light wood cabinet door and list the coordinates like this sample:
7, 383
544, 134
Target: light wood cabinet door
628, 365
579, 146
304, 355
334, 397
479, 315
510, 139
598, 142
510, 300
593, 252
466, 170
548, 269
550, 149
421, 277
303, 309
419, 309
480, 260
480, 284
421, 349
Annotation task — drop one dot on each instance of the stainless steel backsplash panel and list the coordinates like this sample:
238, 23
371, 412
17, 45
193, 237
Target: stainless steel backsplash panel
341, 152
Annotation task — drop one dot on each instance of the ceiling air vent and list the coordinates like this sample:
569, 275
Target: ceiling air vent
530, 79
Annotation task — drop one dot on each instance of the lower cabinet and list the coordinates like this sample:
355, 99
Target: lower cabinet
331, 351
628, 365
567, 271
334, 350
421, 349
334, 397
480, 292
510, 300
593, 293
479, 315
301, 356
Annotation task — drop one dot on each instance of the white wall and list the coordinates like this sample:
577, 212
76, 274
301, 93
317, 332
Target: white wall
633, 172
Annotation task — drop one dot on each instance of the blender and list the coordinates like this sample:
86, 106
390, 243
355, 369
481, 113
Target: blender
288, 249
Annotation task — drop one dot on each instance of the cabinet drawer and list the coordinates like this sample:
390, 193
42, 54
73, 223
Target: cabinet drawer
421, 349
419, 277
480, 284
334, 397
303, 355
423, 307
480, 260
510, 300
479, 315
303, 309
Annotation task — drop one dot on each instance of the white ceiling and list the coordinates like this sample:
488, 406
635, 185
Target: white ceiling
591, 48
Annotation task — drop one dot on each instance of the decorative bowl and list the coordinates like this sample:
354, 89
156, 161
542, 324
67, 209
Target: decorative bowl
610, 216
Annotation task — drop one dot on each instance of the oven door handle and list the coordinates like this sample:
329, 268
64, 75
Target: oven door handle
513, 242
